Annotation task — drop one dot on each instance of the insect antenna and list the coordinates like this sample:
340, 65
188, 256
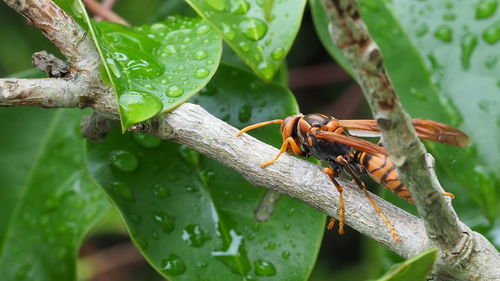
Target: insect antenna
258, 125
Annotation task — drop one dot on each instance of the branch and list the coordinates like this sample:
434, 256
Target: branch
191, 125
73, 42
48, 92
442, 225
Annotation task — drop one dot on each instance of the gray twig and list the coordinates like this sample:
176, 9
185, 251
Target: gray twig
50, 64
442, 225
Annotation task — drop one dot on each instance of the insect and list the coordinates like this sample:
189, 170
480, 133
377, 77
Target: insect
336, 142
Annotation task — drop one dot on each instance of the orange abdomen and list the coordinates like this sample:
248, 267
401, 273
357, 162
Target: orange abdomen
382, 170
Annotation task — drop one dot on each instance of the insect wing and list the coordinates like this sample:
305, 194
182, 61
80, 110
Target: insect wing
354, 142
426, 129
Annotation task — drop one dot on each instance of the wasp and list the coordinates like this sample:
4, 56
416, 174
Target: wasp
336, 142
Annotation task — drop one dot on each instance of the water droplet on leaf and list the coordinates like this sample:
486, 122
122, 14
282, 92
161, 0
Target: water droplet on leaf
147, 140
174, 91
245, 113
253, 28
264, 268
160, 190
173, 265
123, 160
138, 106
123, 191
468, 43
166, 221
486, 8
195, 236
492, 33
444, 33
201, 73
278, 53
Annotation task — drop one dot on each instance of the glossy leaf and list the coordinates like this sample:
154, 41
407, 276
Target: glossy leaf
157, 67
193, 218
449, 74
413, 269
322, 26
261, 32
49, 196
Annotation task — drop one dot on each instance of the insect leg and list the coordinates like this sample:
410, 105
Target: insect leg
341, 160
284, 147
261, 124
331, 174
449, 194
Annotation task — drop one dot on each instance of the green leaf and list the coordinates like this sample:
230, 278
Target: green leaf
193, 218
46, 192
413, 269
261, 32
443, 69
322, 24
156, 67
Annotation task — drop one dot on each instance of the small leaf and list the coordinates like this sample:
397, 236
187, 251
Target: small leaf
188, 213
159, 66
414, 269
56, 202
261, 32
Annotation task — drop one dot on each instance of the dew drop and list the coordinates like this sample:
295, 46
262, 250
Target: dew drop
244, 46
206, 176
278, 53
138, 106
147, 140
166, 221
161, 190
444, 33
115, 70
210, 62
264, 268
271, 246
468, 43
174, 91
189, 155
123, 160
422, 30
200, 54
202, 29
285, 254
181, 67
170, 50
155, 235
486, 8
227, 31
234, 254
240, 7
253, 28
201, 73
492, 33
123, 191
195, 236
173, 265
266, 70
